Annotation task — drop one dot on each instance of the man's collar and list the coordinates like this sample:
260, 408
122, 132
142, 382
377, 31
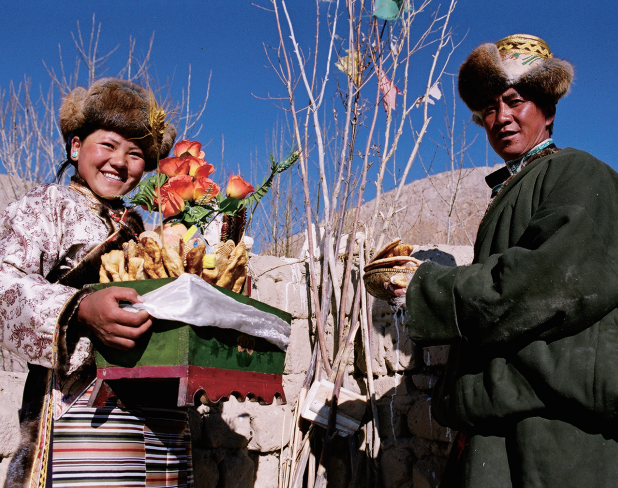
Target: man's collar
514, 165
496, 180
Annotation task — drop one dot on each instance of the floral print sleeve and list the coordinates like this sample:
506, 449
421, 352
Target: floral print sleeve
50, 226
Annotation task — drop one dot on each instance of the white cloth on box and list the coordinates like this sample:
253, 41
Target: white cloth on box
192, 300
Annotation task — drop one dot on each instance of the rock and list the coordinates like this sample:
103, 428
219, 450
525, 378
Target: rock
424, 381
281, 283
393, 424
396, 468
380, 317
9, 433
435, 355
390, 386
267, 471
230, 429
400, 351
292, 383
298, 355
421, 424
427, 472
10, 361
270, 425
236, 470
205, 471
11, 389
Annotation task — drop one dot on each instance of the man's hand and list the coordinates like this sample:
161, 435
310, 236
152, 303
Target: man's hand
396, 290
114, 326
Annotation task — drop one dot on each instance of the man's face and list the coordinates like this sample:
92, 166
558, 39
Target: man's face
515, 124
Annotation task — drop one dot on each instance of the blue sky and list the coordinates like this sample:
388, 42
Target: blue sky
226, 38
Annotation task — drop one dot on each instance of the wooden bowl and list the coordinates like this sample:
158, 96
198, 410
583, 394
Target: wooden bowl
375, 279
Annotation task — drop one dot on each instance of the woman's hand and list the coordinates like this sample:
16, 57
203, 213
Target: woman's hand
114, 326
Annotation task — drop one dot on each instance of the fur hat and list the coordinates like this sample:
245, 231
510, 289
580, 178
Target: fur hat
520, 61
119, 106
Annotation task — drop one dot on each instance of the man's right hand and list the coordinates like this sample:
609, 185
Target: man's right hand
115, 327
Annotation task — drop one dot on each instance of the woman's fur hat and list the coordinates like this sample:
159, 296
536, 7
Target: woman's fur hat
520, 61
119, 106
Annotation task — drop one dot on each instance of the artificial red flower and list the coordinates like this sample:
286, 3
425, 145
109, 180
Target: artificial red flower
205, 170
204, 190
238, 188
174, 166
171, 203
191, 147
199, 167
181, 185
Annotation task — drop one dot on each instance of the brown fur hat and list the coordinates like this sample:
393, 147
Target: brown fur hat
520, 61
119, 106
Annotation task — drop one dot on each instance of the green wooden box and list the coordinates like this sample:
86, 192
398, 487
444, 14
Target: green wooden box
189, 364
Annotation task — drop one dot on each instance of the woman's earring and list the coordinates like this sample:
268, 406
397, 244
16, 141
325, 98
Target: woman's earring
74, 155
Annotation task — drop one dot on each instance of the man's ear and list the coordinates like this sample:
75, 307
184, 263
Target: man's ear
550, 114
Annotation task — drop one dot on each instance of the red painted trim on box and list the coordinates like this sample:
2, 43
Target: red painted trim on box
215, 383
219, 383
142, 372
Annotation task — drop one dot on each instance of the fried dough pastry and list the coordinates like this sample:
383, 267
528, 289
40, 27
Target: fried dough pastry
402, 249
153, 235
103, 276
113, 263
131, 249
136, 268
223, 250
195, 259
210, 275
172, 261
151, 253
236, 266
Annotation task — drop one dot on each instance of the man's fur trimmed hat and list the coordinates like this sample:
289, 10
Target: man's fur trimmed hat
119, 106
520, 61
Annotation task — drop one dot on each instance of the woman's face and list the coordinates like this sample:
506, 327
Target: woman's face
109, 163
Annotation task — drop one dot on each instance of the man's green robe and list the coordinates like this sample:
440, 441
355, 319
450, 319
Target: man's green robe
532, 377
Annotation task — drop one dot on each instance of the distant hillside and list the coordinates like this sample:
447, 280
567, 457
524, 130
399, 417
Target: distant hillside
425, 208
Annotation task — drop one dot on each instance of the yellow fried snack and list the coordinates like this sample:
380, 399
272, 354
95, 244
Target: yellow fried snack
210, 275
151, 253
223, 250
235, 267
240, 280
113, 262
136, 269
210, 261
103, 276
172, 261
153, 235
402, 249
132, 249
195, 259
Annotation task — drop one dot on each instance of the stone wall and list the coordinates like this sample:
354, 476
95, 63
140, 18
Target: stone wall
239, 444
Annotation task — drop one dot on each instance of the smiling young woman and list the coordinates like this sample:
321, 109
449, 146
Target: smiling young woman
110, 164
51, 241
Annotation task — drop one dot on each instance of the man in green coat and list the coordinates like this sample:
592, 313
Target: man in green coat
531, 382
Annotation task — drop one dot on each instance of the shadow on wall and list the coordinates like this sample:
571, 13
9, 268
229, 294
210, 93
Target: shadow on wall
220, 455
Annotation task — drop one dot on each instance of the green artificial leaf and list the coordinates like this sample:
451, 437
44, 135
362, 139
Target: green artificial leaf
230, 205
275, 169
147, 191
